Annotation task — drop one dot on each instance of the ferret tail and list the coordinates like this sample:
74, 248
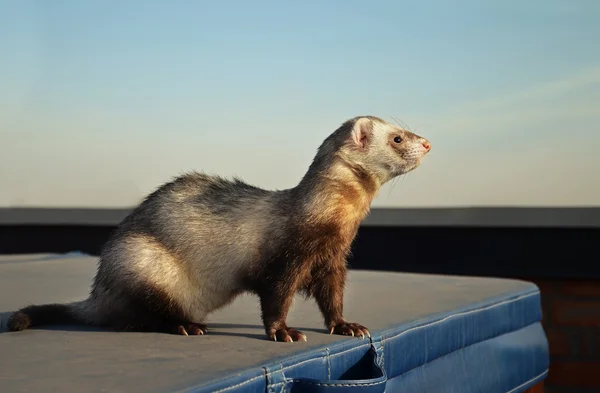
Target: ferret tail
48, 314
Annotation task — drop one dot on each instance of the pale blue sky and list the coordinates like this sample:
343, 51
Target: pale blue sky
100, 102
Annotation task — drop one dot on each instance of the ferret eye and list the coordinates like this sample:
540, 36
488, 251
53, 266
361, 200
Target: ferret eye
397, 139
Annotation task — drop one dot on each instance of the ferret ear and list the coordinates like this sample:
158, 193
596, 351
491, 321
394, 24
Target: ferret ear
362, 132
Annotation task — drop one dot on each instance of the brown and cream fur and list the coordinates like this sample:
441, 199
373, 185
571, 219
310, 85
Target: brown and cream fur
198, 241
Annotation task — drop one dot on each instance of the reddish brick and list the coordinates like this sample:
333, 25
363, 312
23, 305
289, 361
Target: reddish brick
554, 389
545, 319
538, 388
574, 374
576, 313
590, 342
547, 287
547, 290
546, 305
582, 288
560, 342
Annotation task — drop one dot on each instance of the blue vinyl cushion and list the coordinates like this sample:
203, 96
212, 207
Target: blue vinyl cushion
494, 347
429, 334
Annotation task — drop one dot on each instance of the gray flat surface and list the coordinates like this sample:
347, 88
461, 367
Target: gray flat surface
70, 359
563, 217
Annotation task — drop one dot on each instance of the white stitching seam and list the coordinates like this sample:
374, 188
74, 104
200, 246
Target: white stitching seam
350, 350
328, 365
339, 384
323, 357
398, 335
382, 355
525, 383
269, 385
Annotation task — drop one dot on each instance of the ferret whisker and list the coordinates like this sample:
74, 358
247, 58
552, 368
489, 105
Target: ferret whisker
399, 178
402, 124
391, 188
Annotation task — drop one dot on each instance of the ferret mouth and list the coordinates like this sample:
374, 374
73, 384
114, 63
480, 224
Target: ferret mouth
412, 164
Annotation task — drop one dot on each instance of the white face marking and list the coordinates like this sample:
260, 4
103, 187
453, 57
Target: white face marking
385, 157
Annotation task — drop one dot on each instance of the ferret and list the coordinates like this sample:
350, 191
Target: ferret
198, 241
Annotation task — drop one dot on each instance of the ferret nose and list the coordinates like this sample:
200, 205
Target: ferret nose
426, 145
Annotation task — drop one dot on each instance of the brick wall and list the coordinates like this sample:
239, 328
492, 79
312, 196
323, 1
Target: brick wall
571, 312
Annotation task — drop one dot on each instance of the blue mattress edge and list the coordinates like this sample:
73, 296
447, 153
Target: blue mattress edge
532, 382
255, 378
517, 360
530, 300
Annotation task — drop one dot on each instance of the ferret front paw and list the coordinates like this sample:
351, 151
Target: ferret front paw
286, 335
350, 329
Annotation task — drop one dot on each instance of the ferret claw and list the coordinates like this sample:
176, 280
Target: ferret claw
192, 329
287, 335
351, 329
181, 330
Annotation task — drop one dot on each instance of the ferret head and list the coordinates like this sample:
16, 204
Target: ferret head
380, 148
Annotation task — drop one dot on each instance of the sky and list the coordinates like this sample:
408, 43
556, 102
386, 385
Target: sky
101, 102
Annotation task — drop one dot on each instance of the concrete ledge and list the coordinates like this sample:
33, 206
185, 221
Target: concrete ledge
576, 217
